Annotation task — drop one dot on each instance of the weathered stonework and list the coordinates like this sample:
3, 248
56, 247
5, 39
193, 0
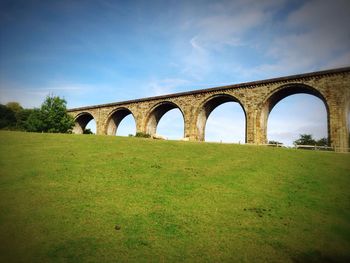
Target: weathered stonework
256, 98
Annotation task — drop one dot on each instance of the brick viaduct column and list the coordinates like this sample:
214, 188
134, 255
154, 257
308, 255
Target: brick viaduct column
255, 127
190, 127
100, 128
140, 122
338, 110
100, 116
256, 118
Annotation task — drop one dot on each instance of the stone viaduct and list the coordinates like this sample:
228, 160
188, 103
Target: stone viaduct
256, 99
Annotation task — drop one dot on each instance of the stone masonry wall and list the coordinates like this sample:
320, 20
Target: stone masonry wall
256, 99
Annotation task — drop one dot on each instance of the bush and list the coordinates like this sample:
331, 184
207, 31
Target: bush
142, 135
87, 131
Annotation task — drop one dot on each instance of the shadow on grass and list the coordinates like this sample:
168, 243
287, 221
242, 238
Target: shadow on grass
317, 257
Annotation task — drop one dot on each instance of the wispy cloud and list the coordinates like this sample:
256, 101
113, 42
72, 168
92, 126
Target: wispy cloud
30, 97
316, 38
312, 36
164, 86
213, 36
298, 114
171, 125
226, 123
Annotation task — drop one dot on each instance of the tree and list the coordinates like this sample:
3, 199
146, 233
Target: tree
22, 119
7, 117
13, 116
14, 106
305, 139
322, 142
34, 121
51, 117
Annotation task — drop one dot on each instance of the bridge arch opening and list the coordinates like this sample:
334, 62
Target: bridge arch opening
293, 110
84, 123
171, 126
121, 122
214, 115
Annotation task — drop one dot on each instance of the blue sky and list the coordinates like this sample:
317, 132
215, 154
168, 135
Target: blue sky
94, 52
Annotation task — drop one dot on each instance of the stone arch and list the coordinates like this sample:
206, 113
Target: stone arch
115, 118
281, 93
81, 120
208, 106
157, 112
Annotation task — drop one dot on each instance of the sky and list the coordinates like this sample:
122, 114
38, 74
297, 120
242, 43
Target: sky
94, 52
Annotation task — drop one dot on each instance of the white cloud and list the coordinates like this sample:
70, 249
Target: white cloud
127, 126
171, 125
295, 115
224, 130
219, 26
318, 37
30, 97
341, 60
226, 123
164, 86
27, 98
196, 62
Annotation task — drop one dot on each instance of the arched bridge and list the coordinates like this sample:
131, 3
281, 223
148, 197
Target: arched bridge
256, 99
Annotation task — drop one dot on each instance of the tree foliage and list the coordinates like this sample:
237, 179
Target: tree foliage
14, 106
322, 142
22, 119
307, 139
7, 117
142, 135
52, 117
34, 122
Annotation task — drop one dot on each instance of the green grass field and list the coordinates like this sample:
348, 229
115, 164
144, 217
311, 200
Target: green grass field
63, 196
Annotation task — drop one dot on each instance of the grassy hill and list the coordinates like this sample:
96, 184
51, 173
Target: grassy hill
86, 198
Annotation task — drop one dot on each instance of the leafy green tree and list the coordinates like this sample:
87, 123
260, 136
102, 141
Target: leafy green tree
21, 115
51, 117
305, 139
322, 142
34, 122
14, 106
7, 117
22, 119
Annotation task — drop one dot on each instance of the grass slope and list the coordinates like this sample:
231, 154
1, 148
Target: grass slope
61, 197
